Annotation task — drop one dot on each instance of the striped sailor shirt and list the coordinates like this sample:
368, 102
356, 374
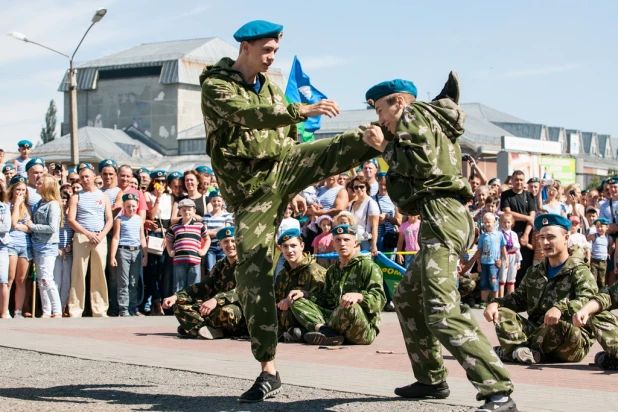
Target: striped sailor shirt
187, 241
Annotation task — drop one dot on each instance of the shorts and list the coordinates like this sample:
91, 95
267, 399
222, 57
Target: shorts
20, 251
487, 272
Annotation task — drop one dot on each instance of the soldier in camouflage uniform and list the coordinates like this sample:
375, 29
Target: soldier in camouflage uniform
348, 308
551, 293
300, 272
253, 145
420, 144
210, 309
605, 332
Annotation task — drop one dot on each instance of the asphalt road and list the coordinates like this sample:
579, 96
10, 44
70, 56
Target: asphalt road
34, 381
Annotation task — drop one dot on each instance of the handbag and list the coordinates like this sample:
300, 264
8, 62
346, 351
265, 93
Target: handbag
156, 245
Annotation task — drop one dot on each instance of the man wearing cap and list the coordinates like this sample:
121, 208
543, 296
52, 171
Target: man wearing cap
420, 145
300, 272
35, 169
23, 147
348, 308
253, 145
210, 309
90, 216
551, 293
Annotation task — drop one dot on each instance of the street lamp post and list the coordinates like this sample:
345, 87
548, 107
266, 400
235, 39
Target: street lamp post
72, 82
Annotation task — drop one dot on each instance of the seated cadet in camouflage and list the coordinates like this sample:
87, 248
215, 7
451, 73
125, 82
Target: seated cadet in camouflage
300, 272
606, 334
551, 292
348, 308
420, 142
252, 141
210, 309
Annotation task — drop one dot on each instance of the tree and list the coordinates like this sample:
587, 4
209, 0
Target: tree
48, 133
594, 182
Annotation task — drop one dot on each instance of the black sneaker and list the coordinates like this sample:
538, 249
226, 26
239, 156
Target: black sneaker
325, 336
265, 386
421, 390
500, 353
490, 406
294, 335
605, 362
182, 334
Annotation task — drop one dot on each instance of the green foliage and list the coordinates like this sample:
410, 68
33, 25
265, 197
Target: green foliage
48, 133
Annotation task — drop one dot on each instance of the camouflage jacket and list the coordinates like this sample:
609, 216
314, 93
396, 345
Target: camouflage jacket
424, 156
308, 276
360, 275
609, 297
568, 291
220, 284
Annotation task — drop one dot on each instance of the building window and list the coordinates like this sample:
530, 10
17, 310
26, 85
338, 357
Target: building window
129, 73
192, 146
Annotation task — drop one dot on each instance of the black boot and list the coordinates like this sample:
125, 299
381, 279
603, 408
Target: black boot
421, 390
450, 89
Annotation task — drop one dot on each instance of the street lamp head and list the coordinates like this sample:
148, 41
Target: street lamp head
98, 15
17, 35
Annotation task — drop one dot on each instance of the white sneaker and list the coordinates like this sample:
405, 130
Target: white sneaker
526, 356
18, 316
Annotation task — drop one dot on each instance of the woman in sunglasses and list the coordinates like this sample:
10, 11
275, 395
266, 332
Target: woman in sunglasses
366, 213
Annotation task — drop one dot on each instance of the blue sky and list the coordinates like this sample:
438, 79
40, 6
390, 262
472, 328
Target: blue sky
551, 62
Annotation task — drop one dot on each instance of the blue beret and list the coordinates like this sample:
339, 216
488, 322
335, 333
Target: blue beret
35, 161
203, 169
130, 196
359, 169
17, 179
72, 170
602, 220
24, 143
389, 87
7, 167
214, 193
85, 165
612, 180
258, 29
227, 231
550, 219
380, 175
287, 235
343, 230
158, 173
108, 163
536, 180
143, 170
495, 179
173, 176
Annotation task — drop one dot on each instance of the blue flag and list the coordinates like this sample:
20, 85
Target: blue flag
300, 90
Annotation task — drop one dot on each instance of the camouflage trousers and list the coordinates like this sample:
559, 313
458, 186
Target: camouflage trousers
604, 327
562, 342
226, 317
352, 322
467, 283
598, 267
257, 217
428, 304
286, 320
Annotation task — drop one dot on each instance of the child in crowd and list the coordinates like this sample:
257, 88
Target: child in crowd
344, 218
508, 272
576, 238
323, 243
64, 260
23, 147
491, 206
408, 239
602, 248
492, 252
127, 252
183, 242
591, 215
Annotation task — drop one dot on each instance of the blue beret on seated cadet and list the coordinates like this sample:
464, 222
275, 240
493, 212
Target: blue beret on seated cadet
601, 220
108, 163
343, 230
389, 87
8, 167
17, 179
258, 29
173, 176
214, 193
35, 161
143, 170
130, 196
288, 234
71, 170
158, 173
550, 219
224, 232
85, 165
24, 143
203, 169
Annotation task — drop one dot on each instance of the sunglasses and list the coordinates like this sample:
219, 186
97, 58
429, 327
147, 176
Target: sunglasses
160, 180
358, 187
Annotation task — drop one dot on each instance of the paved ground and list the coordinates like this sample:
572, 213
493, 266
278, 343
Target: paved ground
151, 342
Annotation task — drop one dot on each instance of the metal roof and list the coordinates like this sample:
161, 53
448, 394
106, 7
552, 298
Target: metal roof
587, 139
529, 130
194, 132
481, 111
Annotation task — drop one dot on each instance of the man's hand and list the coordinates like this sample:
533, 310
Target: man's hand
530, 220
168, 302
580, 318
284, 304
400, 259
552, 317
374, 137
150, 225
208, 307
94, 238
491, 313
294, 295
327, 107
374, 250
299, 204
350, 299
112, 262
